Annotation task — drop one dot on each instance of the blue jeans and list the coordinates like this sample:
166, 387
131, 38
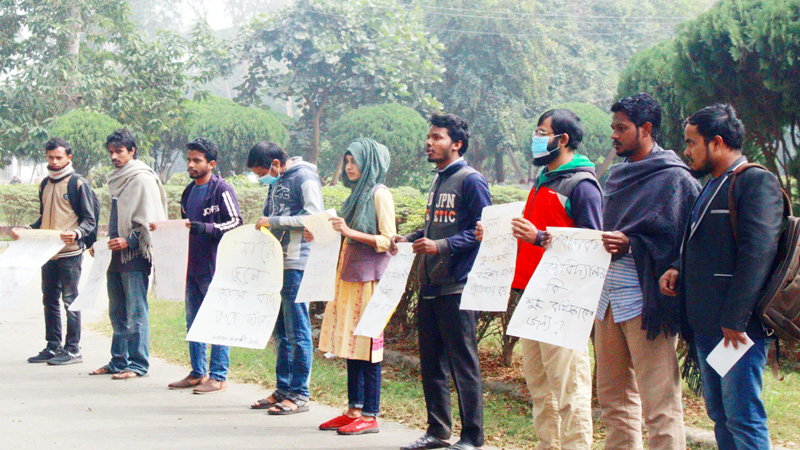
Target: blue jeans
364, 386
196, 289
293, 337
127, 308
734, 402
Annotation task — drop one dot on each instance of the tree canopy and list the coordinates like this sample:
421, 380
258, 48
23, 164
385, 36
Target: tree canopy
742, 52
329, 54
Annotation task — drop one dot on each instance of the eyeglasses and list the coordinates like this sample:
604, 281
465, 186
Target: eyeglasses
541, 133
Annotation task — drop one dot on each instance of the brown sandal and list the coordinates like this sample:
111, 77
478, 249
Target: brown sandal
102, 371
126, 375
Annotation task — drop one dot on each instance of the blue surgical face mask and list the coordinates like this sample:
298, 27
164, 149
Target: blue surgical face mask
267, 179
539, 146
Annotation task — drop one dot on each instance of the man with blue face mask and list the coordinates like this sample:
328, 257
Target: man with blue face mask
566, 194
294, 192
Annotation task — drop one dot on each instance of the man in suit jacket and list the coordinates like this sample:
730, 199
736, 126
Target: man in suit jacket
721, 276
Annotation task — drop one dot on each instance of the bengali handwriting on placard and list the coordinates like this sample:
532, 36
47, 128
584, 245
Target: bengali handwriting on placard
22, 260
387, 293
243, 300
489, 281
170, 244
95, 284
560, 301
319, 277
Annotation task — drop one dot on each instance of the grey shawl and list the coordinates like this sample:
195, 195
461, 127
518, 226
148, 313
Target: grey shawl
650, 202
141, 199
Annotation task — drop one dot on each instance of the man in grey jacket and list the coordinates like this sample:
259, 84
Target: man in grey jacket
295, 191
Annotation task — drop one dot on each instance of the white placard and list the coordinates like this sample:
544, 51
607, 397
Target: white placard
722, 359
387, 293
489, 281
560, 301
96, 282
170, 244
244, 298
319, 276
22, 260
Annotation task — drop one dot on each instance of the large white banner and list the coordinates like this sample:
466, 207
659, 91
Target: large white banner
319, 277
94, 283
489, 281
560, 302
170, 244
387, 293
22, 259
244, 298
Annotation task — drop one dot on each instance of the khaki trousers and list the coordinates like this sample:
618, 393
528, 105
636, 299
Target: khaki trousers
560, 383
635, 375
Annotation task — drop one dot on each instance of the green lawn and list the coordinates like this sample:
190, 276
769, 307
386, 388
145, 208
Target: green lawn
507, 421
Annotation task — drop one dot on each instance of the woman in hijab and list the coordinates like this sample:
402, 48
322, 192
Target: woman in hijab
367, 222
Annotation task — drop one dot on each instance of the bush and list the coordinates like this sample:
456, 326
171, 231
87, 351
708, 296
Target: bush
86, 132
20, 204
400, 128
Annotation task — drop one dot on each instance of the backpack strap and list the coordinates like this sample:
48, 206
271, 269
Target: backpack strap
72, 192
787, 204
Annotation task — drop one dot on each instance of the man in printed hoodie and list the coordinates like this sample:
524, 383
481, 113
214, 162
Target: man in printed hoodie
210, 206
447, 248
294, 192
566, 194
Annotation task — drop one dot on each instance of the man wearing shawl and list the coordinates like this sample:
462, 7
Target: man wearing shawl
137, 199
647, 200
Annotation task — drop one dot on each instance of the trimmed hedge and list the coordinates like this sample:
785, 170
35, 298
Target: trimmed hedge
21, 203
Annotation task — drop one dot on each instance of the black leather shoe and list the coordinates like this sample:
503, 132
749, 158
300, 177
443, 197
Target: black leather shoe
426, 441
462, 446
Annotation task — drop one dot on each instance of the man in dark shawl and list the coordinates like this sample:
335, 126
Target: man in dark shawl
647, 200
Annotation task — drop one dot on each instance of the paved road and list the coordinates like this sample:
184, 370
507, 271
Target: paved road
63, 407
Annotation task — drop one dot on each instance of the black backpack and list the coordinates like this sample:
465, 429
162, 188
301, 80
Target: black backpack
74, 200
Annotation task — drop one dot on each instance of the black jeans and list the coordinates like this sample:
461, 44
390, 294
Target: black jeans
60, 282
448, 344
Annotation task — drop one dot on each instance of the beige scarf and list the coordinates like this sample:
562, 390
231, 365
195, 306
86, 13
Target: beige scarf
141, 199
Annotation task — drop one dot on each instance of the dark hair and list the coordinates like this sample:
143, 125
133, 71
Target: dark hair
122, 138
457, 129
564, 121
263, 153
204, 146
719, 120
641, 108
56, 142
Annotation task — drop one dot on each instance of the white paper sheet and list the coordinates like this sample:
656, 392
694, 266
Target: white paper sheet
489, 281
244, 297
722, 359
22, 259
387, 293
560, 301
319, 277
95, 285
170, 243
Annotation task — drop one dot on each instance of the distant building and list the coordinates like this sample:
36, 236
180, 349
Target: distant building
28, 171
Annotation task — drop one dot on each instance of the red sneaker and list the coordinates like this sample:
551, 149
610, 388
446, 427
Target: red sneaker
337, 422
360, 426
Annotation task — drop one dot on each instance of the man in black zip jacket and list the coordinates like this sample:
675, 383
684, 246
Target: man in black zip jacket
720, 275
211, 207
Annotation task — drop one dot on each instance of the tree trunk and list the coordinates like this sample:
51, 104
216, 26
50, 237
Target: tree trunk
316, 114
499, 166
515, 165
607, 163
336, 173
